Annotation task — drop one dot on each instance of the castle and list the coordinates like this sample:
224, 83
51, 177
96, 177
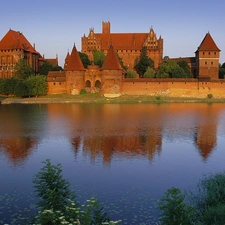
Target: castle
110, 79
127, 45
13, 47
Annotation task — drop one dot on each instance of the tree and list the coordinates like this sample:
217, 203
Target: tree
22, 70
8, 86
131, 74
168, 69
46, 67
99, 57
85, 60
222, 71
36, 85
121, 62
184, 65
21, 89
143, 63
150, 73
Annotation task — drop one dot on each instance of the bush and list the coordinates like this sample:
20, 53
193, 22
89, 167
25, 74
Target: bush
174, 210
131, 74
209, 199
83, 92
210, 96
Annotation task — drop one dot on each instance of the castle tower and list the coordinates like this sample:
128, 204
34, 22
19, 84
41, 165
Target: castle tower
75, 73
112, 74
106, 27
207, 59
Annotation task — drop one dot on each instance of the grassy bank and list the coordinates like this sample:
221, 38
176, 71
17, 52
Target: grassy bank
96, 98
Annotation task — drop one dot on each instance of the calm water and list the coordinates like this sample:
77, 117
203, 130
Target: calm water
124, 155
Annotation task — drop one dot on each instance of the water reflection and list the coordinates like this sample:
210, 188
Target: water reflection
108, 131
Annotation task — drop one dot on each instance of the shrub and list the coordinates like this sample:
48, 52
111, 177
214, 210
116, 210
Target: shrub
174, 210
131, 74
210, 95
209, 199
83, 92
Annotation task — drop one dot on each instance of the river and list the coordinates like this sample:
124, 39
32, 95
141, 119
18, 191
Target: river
126, 155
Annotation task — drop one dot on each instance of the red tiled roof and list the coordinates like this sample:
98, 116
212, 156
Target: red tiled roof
16, 40
74, 62
111, 61
122, 40
54, 62
208, 44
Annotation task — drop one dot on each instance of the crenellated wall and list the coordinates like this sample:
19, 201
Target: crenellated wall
174, 87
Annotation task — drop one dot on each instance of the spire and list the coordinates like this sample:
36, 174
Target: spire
111, 61
208, 44
74, 62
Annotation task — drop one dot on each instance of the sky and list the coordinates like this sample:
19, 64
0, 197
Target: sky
55, 25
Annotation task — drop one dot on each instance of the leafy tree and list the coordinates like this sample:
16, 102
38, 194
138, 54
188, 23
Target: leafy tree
144, 62
36, 85
150, 73
174, 210
131, 74
21, 89
184, 65
22, 70
121, 62
85, 60
167, 69
46, 67
99, 57
8, 86
222, 71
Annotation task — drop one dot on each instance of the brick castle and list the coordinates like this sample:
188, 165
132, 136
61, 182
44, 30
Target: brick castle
110, 79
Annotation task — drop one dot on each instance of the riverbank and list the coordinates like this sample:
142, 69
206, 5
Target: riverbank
95, 98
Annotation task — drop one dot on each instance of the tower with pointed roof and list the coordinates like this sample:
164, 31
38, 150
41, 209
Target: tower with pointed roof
207, 59
13, 47
75, 73
112, 74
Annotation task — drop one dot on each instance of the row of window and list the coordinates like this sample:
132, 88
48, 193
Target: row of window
209, 53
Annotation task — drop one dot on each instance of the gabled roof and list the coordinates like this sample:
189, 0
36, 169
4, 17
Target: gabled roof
208, 44
16, 40
111, 61
74, 63
53, 61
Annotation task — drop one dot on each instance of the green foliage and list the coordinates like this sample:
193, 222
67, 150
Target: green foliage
150, 73
46, 67
222, 71
174, 210
36, 85
143, 63
51, 188
22, 70
186, 69
21, 89
85, 60
210, 95
131, 74
83, 92
166, 70
7, 86
121, 62
99, 57
171, 69
209, 200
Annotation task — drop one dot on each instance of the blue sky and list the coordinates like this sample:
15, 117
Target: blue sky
55, 25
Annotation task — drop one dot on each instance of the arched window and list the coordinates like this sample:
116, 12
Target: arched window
97, 84
88, 83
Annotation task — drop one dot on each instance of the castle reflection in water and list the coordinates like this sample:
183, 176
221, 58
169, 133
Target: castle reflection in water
106, 131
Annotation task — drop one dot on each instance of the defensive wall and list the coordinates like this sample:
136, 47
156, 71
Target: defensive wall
174, 87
